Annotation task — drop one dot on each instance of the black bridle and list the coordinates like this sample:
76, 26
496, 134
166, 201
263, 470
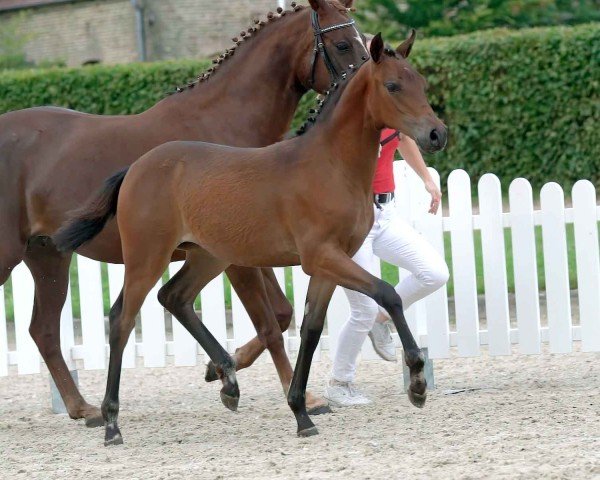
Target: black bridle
320, 47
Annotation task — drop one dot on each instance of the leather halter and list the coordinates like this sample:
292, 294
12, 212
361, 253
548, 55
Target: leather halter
320, 47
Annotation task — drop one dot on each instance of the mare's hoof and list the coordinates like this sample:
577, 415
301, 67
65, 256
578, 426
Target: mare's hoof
417, 399
230, 402
308, 432
117, 440
211, 372
319, 410
94, 421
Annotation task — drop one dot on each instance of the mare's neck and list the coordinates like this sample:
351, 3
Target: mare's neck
251, 98
351, 133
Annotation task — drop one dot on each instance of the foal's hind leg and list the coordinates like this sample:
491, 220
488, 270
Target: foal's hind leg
50, 270
140, 276
317, 299
178, 295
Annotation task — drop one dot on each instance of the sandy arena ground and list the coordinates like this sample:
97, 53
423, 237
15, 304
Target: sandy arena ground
527, 417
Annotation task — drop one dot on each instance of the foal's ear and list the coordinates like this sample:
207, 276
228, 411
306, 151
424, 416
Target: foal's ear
316, 4
406, 46
377, 48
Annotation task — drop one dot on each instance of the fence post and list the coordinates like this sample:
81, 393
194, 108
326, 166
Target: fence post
92, 313
525, 265
585, 219
556, 267
28, 358
494, 265
463, 263
116, 277
153, 329
3, 336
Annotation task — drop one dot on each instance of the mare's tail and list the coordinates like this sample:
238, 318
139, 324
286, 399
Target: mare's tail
90, 219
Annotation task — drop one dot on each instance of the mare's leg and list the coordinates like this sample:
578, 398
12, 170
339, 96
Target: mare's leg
12, 250
317, 300
178, 295
141, 274
271, 313
334, 265
50, 270
244, 282
262, 297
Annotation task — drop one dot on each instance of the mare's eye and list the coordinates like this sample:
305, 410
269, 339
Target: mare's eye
392, 87
342, 46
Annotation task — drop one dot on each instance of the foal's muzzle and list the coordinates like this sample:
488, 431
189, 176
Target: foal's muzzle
435, 141
438, 138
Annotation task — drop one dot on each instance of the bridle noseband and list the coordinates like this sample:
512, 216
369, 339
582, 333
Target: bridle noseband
320, 47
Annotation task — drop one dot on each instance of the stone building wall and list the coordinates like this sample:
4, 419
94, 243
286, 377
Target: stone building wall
104, 31
80, 32
188, 28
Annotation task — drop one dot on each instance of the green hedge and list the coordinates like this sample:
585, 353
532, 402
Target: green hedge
523, 103
108, 90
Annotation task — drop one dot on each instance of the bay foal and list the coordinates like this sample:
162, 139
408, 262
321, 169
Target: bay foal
52, 158
304, 201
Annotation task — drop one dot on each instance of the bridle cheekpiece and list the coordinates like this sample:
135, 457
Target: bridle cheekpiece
320, 46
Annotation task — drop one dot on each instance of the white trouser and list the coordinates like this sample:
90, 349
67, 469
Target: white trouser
396, 242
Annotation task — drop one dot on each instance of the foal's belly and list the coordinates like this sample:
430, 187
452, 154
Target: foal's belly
244, 241
263, 252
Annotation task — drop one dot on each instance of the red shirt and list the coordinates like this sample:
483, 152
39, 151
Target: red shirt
384, 173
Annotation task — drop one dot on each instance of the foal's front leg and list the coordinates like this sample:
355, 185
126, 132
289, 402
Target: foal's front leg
336, 266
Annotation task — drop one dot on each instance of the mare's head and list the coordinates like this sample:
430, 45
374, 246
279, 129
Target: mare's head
397, 96
329, 45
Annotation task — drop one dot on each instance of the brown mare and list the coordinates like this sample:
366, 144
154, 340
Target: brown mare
304, 201
52, 158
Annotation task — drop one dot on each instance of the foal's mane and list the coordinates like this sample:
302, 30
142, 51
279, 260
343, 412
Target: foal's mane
246, 35
326, 105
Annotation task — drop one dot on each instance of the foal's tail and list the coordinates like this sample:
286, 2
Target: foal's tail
89, 220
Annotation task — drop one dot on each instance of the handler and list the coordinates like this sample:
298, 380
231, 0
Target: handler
395, 241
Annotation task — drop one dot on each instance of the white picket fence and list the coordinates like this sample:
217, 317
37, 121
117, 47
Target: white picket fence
428, 319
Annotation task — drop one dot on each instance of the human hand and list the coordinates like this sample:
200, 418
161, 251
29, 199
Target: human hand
436, 196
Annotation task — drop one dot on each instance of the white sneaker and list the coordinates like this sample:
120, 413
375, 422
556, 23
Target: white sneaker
383, 343
344, 394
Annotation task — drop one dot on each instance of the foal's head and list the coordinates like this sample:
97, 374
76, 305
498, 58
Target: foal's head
334, 44
397, 96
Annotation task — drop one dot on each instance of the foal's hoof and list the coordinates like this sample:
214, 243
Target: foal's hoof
114, 441
230, 402
417, 391
113, 436
417, 399
308, 432
319, 410
211, 372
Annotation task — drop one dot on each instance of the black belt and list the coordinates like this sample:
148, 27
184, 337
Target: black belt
383, 198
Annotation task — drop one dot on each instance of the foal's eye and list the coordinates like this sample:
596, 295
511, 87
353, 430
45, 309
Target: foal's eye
342, 46
392, 87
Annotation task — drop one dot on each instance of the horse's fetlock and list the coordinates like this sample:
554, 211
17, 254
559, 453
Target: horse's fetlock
296, 401
415, 359
110, 408
284, 317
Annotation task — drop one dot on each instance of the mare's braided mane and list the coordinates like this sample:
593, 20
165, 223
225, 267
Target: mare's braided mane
243, 37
